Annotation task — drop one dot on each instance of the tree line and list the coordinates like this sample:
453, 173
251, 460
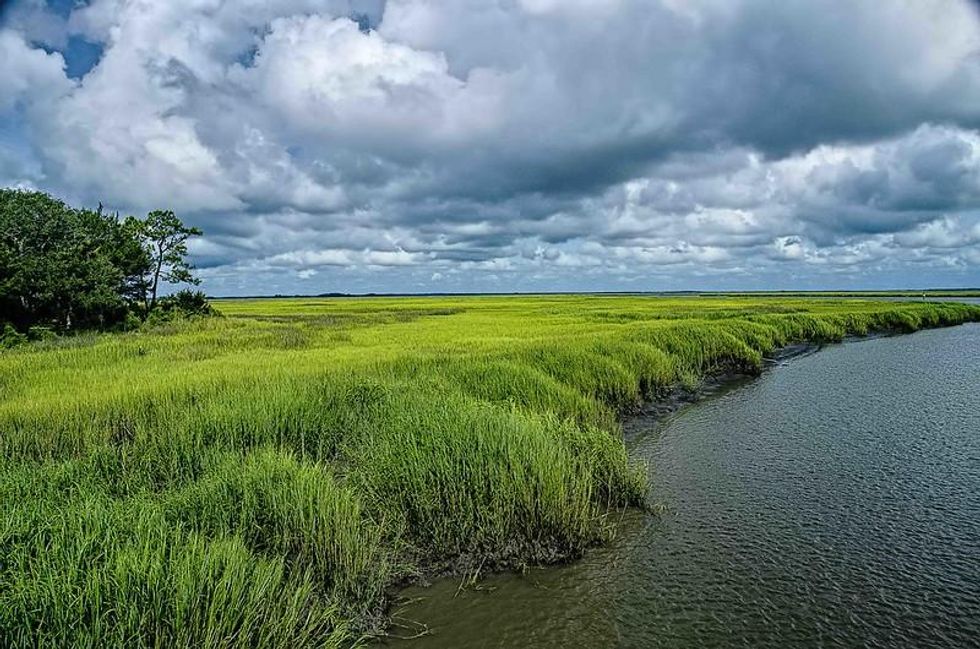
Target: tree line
65, 269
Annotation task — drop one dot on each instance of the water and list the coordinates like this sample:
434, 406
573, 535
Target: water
835, 501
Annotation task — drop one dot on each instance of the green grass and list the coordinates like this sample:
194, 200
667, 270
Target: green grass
267, 478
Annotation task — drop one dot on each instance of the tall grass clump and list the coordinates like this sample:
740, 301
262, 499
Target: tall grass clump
520, 487
97, 574
266, 478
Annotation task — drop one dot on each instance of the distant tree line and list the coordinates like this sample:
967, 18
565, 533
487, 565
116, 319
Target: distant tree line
65, 269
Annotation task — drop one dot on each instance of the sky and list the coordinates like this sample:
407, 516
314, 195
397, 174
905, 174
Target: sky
514, 145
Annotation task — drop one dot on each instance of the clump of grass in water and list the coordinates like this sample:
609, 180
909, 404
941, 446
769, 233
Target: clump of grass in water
250, 481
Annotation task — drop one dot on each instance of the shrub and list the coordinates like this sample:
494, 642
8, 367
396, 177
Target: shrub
10, 337
182, 304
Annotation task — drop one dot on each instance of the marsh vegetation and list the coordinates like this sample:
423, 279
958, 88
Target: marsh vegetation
268, 477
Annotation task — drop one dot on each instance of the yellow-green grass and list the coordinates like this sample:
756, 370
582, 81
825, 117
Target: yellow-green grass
267, 477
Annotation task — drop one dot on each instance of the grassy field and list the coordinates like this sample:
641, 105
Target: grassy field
912, 294
266, 478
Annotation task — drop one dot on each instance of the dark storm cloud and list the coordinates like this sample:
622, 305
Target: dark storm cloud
799, 74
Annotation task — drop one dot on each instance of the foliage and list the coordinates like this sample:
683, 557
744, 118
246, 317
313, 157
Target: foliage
62, 267
182, 304
69, 269
164, 239
263, 479
10, 337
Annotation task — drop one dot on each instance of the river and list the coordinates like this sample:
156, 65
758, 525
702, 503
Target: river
833, 501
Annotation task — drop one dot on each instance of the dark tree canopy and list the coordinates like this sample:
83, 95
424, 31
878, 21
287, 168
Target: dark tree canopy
69, 269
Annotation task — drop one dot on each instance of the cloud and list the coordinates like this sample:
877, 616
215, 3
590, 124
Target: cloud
31, 76
418, 145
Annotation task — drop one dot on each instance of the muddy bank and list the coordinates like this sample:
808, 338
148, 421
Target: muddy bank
725, 376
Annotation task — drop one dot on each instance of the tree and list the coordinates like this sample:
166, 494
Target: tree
62, 267
164, 238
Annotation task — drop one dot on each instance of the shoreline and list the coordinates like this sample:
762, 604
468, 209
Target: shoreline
678, 396
733, 449
470, 569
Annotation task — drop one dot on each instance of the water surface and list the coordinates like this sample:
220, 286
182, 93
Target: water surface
831, 502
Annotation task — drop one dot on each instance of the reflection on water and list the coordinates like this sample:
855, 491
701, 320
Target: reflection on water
834, 501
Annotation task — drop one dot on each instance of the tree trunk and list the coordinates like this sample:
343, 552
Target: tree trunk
156, 280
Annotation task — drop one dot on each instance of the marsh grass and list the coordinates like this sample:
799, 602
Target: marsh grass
264, 479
